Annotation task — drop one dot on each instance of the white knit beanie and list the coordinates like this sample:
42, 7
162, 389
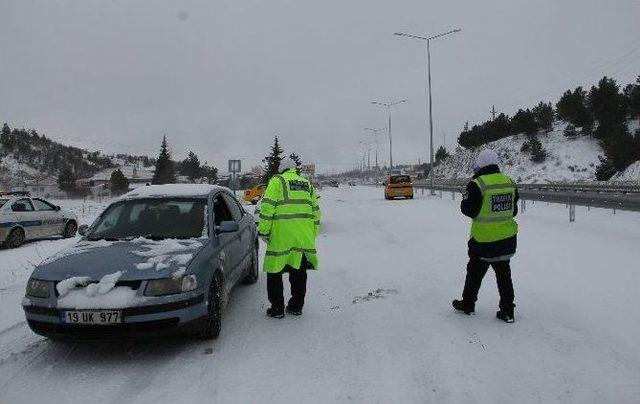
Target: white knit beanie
485, 158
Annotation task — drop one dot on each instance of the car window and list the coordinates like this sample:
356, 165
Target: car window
400, 179
109, 220
43, 205
22, 205
156, 218
221, 211
236, 210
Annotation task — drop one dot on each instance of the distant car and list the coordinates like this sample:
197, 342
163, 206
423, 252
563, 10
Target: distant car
352, 183
254, 194
334, 183
161, 259
24, 218
398, 186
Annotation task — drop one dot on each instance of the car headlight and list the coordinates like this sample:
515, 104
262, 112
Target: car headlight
37, 288
170, 286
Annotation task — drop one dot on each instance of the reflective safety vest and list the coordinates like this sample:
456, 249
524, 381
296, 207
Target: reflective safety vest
495, 220
290, 218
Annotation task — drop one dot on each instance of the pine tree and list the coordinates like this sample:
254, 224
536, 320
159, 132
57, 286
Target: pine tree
441, 155
5, 137
632, 94
272, 161
544, 116
67, 180
570, 131
538, 152
191, 167
164, 173
524, 121
119, 183
296, 159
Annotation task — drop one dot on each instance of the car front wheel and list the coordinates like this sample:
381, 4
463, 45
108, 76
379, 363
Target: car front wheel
70, 230
15, 239
212, 322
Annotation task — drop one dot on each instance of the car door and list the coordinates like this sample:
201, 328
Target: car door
51, 219
244, 233
27, 218
229, 242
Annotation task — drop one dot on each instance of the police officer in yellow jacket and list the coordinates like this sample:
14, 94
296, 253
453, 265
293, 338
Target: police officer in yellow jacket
289, 223
491, 201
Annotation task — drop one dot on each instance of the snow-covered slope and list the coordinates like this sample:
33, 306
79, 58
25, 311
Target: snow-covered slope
567, 160
631, 173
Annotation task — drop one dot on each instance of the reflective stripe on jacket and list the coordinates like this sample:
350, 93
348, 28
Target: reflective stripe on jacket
495, 220
290, 218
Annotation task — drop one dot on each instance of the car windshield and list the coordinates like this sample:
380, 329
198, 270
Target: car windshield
152, 218
400, 179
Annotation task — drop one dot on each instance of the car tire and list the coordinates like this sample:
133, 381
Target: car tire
70, 230
212, 322
15, 238
253, 272
411, 197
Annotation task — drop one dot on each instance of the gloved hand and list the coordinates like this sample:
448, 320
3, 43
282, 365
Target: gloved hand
264, 237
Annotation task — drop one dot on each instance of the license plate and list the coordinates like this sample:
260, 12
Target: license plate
99, 317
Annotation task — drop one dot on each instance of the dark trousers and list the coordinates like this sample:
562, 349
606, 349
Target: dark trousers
298, 281
476, 269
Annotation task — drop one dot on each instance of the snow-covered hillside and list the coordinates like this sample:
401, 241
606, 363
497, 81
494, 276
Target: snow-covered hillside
631, 173
567, 160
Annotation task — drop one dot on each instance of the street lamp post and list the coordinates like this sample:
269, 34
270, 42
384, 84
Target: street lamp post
428, 41
389, 105
375, 136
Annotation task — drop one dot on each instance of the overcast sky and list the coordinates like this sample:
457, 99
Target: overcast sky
222, 77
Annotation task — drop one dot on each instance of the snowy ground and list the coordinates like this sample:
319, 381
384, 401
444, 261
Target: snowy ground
378, 326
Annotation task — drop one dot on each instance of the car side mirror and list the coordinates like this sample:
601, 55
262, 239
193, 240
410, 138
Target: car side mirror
57, 208
82, 230
227, 227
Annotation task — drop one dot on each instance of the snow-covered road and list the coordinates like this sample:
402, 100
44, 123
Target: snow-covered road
378, 325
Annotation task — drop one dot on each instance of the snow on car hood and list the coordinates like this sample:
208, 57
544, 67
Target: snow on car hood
136, 259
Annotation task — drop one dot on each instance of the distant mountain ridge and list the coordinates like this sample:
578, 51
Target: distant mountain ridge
26, 155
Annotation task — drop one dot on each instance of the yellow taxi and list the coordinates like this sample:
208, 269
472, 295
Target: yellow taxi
254, 194
398, 186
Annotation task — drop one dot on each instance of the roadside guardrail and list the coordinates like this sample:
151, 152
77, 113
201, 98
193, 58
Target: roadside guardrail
616, 196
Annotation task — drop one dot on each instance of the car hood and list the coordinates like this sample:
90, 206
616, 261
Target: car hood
137, 259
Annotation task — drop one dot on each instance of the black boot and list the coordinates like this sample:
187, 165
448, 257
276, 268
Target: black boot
461, 305
505, 316
294, 311
275, 312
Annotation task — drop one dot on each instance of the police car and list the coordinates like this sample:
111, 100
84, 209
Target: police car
25, 218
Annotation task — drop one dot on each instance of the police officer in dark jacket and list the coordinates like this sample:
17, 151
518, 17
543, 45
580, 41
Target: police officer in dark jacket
491, 201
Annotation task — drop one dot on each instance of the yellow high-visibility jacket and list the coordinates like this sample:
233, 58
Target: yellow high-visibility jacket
290, 218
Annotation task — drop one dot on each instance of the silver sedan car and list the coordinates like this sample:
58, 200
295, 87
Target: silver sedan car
162, 259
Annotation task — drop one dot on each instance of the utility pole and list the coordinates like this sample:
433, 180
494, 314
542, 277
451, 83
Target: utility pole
388, 105
493, 112
428, 42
